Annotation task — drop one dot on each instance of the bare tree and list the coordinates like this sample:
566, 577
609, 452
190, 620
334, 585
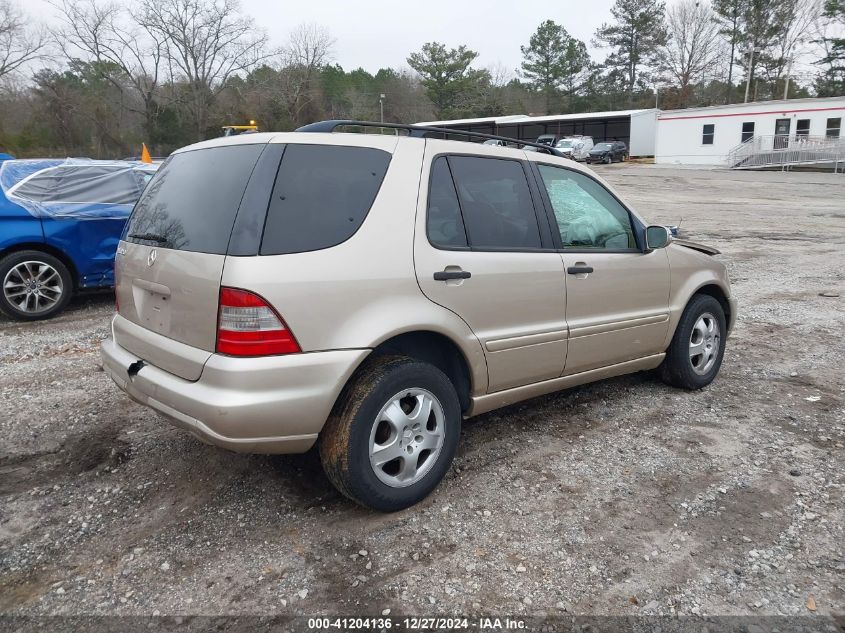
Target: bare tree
105, 32
206, 43
794, 41
308, 49
19, 43
694, 47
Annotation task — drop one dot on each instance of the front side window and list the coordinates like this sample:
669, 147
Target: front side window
708, 134
495, 202
834, 127
747, 131
587, 215
445, 225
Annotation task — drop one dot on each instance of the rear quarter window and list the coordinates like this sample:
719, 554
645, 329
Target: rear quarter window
191, 202
321, 196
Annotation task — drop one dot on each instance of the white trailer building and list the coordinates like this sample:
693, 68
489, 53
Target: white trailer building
712, 135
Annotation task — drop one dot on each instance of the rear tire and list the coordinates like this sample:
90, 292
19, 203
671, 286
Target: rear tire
35, 285
382, 445
695, 354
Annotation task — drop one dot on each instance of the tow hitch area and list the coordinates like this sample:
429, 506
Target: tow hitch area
134, 368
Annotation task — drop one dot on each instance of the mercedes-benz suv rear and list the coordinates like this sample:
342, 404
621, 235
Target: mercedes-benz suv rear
369, 291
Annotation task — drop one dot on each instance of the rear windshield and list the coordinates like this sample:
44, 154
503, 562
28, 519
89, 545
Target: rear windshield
191, 202
321, 197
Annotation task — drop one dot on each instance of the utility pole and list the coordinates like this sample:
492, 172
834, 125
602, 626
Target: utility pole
381, 107
750, 63
788, 73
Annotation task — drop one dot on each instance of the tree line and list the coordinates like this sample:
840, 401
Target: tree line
171, 72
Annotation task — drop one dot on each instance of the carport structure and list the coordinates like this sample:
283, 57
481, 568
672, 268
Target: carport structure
636, 128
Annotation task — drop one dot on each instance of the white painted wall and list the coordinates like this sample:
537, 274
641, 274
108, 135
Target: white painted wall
643, 133
680, 132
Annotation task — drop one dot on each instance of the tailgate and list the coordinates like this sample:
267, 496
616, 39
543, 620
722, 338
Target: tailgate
170, 261
168, 306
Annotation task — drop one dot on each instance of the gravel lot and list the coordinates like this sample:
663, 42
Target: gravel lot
621, 497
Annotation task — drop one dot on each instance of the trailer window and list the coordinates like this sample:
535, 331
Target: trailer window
708, 133
803, 128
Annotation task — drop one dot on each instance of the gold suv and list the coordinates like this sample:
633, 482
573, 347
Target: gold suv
367, 292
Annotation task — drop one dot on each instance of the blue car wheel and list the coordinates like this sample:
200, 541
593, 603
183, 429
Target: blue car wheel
35, 285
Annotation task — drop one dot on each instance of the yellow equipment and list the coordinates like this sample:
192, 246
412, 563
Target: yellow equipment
234, 130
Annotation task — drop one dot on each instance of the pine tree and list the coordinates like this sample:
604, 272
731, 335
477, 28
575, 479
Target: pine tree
831, 82
636, 35
553, 60
729, 18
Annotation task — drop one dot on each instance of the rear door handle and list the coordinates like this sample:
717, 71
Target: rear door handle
577, 270
446, 275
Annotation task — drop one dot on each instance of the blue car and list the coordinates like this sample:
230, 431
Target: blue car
60, 223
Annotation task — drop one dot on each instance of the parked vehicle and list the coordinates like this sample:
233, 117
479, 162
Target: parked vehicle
548, 139
60, 222
608, 152
367, 292
495, 142
575, 147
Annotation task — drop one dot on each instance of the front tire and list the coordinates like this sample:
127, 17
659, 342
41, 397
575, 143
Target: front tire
35, 285
695, 354
392, 434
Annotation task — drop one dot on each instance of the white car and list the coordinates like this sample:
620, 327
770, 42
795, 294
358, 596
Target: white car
576, 146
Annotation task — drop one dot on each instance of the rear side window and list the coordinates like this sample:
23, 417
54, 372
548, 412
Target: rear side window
496, 203
191, 202
445, 225
321, 197
92, 185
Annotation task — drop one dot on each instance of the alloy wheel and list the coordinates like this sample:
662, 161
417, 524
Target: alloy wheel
33, 287
704, 343
407, 437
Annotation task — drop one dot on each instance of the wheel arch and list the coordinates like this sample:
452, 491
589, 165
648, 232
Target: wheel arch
718, 293
50, 250
438, 350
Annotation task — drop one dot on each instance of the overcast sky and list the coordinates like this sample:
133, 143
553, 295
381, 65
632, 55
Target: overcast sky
377, 33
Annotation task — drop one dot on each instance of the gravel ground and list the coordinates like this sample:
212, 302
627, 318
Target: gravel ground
621, 497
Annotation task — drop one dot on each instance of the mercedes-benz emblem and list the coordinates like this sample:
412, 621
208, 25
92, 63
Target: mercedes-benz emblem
151, 258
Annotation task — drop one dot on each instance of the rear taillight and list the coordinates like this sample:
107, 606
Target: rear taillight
248, 326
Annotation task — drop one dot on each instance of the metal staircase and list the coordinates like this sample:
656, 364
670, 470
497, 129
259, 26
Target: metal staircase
782, 152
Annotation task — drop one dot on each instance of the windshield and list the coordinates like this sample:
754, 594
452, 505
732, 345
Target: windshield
603, 146
565, 143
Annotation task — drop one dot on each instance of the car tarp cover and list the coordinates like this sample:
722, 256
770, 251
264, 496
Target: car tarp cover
74, 187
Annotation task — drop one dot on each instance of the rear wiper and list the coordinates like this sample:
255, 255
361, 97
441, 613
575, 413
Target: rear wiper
152, 237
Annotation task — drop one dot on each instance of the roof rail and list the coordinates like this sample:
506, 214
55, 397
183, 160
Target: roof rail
420, 131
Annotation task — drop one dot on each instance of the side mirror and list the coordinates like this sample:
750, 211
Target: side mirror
657, 236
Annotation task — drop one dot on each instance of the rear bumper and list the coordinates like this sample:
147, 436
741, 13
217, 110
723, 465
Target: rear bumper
272, 404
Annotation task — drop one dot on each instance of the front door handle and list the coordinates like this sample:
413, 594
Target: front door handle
577, 270
446, 275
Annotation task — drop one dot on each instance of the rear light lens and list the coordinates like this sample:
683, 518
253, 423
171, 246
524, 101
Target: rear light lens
249, 326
